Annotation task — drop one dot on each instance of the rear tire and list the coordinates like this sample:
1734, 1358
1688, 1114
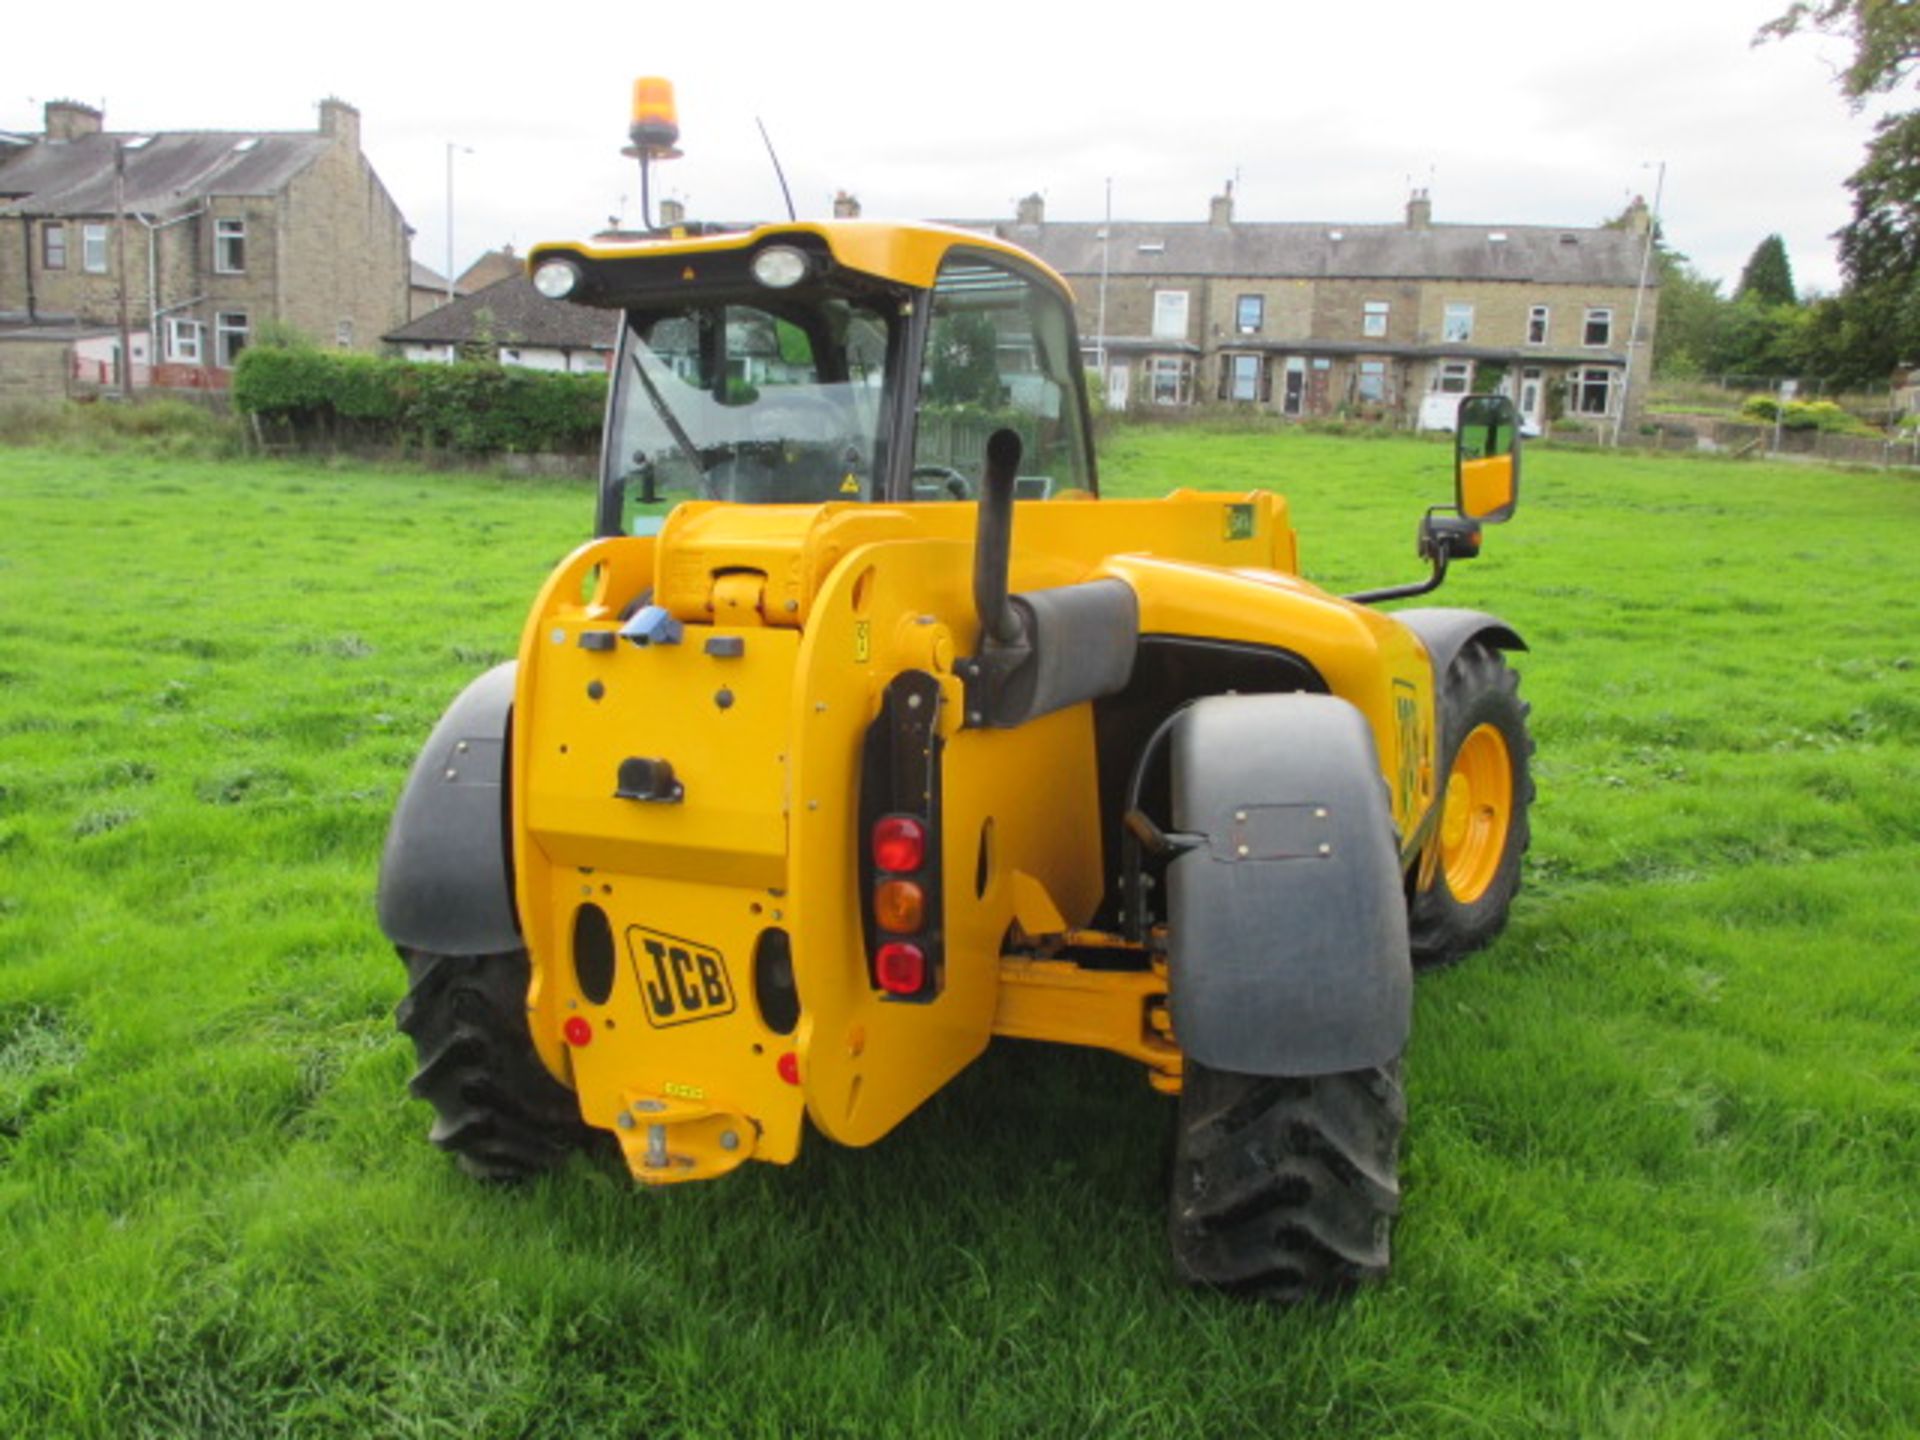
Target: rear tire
1285, 1188
1486, 757
497, 1109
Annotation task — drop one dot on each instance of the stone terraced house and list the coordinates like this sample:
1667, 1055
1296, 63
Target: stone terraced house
1386, 321
191, 240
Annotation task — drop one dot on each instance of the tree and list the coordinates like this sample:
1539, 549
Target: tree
1692, 316
1768, 277
1884, 235
1885, 35
1686, 340
1875, 323
1756, 341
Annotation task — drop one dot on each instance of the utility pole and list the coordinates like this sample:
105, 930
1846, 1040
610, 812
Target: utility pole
120, 267
1639, 298
465, 150
1106, 245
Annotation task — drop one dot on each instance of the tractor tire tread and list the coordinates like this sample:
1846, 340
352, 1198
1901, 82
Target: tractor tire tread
1286, 1188
497, 1109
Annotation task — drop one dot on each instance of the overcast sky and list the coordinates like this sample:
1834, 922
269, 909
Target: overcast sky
1511, 111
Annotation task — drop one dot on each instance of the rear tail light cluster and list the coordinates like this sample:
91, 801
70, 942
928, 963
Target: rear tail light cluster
900, 895
899, 906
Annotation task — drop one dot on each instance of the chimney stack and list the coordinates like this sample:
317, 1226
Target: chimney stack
1419, 211
340, 120
1031, 211
672, 213
69, 120
1220, 208
846, 206
1639, 219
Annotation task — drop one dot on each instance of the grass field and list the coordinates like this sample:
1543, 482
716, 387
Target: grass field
1660, 1175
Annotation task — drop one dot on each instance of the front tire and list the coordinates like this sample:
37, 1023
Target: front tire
1484, 826
497, 1109
1285, 1188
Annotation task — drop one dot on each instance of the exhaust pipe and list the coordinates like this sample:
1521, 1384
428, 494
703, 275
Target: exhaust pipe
993, 544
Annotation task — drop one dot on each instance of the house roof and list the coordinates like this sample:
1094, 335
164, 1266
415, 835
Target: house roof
512, 312
1535, 253
495, 265
425, 277
51, 329
169, 172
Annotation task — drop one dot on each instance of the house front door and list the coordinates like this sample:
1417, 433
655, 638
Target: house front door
1294, 395
1119, 385
1531, 391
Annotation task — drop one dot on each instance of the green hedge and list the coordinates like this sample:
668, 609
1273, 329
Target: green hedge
1821, 415
475, 409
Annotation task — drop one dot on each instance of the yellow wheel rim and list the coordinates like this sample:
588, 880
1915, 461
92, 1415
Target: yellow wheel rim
1473, 828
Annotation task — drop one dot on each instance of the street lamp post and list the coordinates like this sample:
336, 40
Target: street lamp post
464, 150
1106, 242
120, 268
1639, 299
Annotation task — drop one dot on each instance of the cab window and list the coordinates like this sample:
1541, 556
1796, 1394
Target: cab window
999, 354
740, 403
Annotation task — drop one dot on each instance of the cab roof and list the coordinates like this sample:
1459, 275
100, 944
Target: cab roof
902, 253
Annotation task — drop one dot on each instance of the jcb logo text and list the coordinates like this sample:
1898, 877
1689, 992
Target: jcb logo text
680, 980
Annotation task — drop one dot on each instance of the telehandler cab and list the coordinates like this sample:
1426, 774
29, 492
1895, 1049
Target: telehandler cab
893, 738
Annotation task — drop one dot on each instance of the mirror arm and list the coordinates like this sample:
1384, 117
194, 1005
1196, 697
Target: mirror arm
1404, 592
1441, 539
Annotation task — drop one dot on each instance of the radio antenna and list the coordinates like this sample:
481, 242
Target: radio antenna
778, 172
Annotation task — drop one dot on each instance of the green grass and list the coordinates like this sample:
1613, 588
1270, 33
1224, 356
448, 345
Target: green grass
1664, 1138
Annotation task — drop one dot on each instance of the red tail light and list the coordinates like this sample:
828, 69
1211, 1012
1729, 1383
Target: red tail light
899, 844
901, 968
578, 1030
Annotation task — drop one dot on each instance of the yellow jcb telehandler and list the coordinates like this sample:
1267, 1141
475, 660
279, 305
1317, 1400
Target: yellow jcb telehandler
892, 737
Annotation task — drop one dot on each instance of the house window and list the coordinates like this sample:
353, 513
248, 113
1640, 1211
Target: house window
1599, 327
1453, 377
1251, 313
343, 334
1537, 325
93, 249
1592, 391
1370, 382
184, 338
230, 247
1169, 314
230, 335
1170, 378
1373, 319
1457, 328
53, 246
1243, 377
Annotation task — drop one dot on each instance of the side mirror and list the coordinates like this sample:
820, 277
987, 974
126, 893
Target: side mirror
1486, 458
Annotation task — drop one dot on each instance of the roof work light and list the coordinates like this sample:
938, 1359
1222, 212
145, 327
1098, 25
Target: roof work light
656, 121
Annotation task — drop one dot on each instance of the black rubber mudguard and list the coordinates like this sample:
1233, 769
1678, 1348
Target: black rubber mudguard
446, 880
1446, 632
1287, 924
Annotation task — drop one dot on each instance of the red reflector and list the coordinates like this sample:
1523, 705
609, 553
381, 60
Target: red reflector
901, 969
578, 1030
788, 1068
899, 843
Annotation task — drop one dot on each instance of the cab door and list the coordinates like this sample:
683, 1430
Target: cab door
1000, 352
